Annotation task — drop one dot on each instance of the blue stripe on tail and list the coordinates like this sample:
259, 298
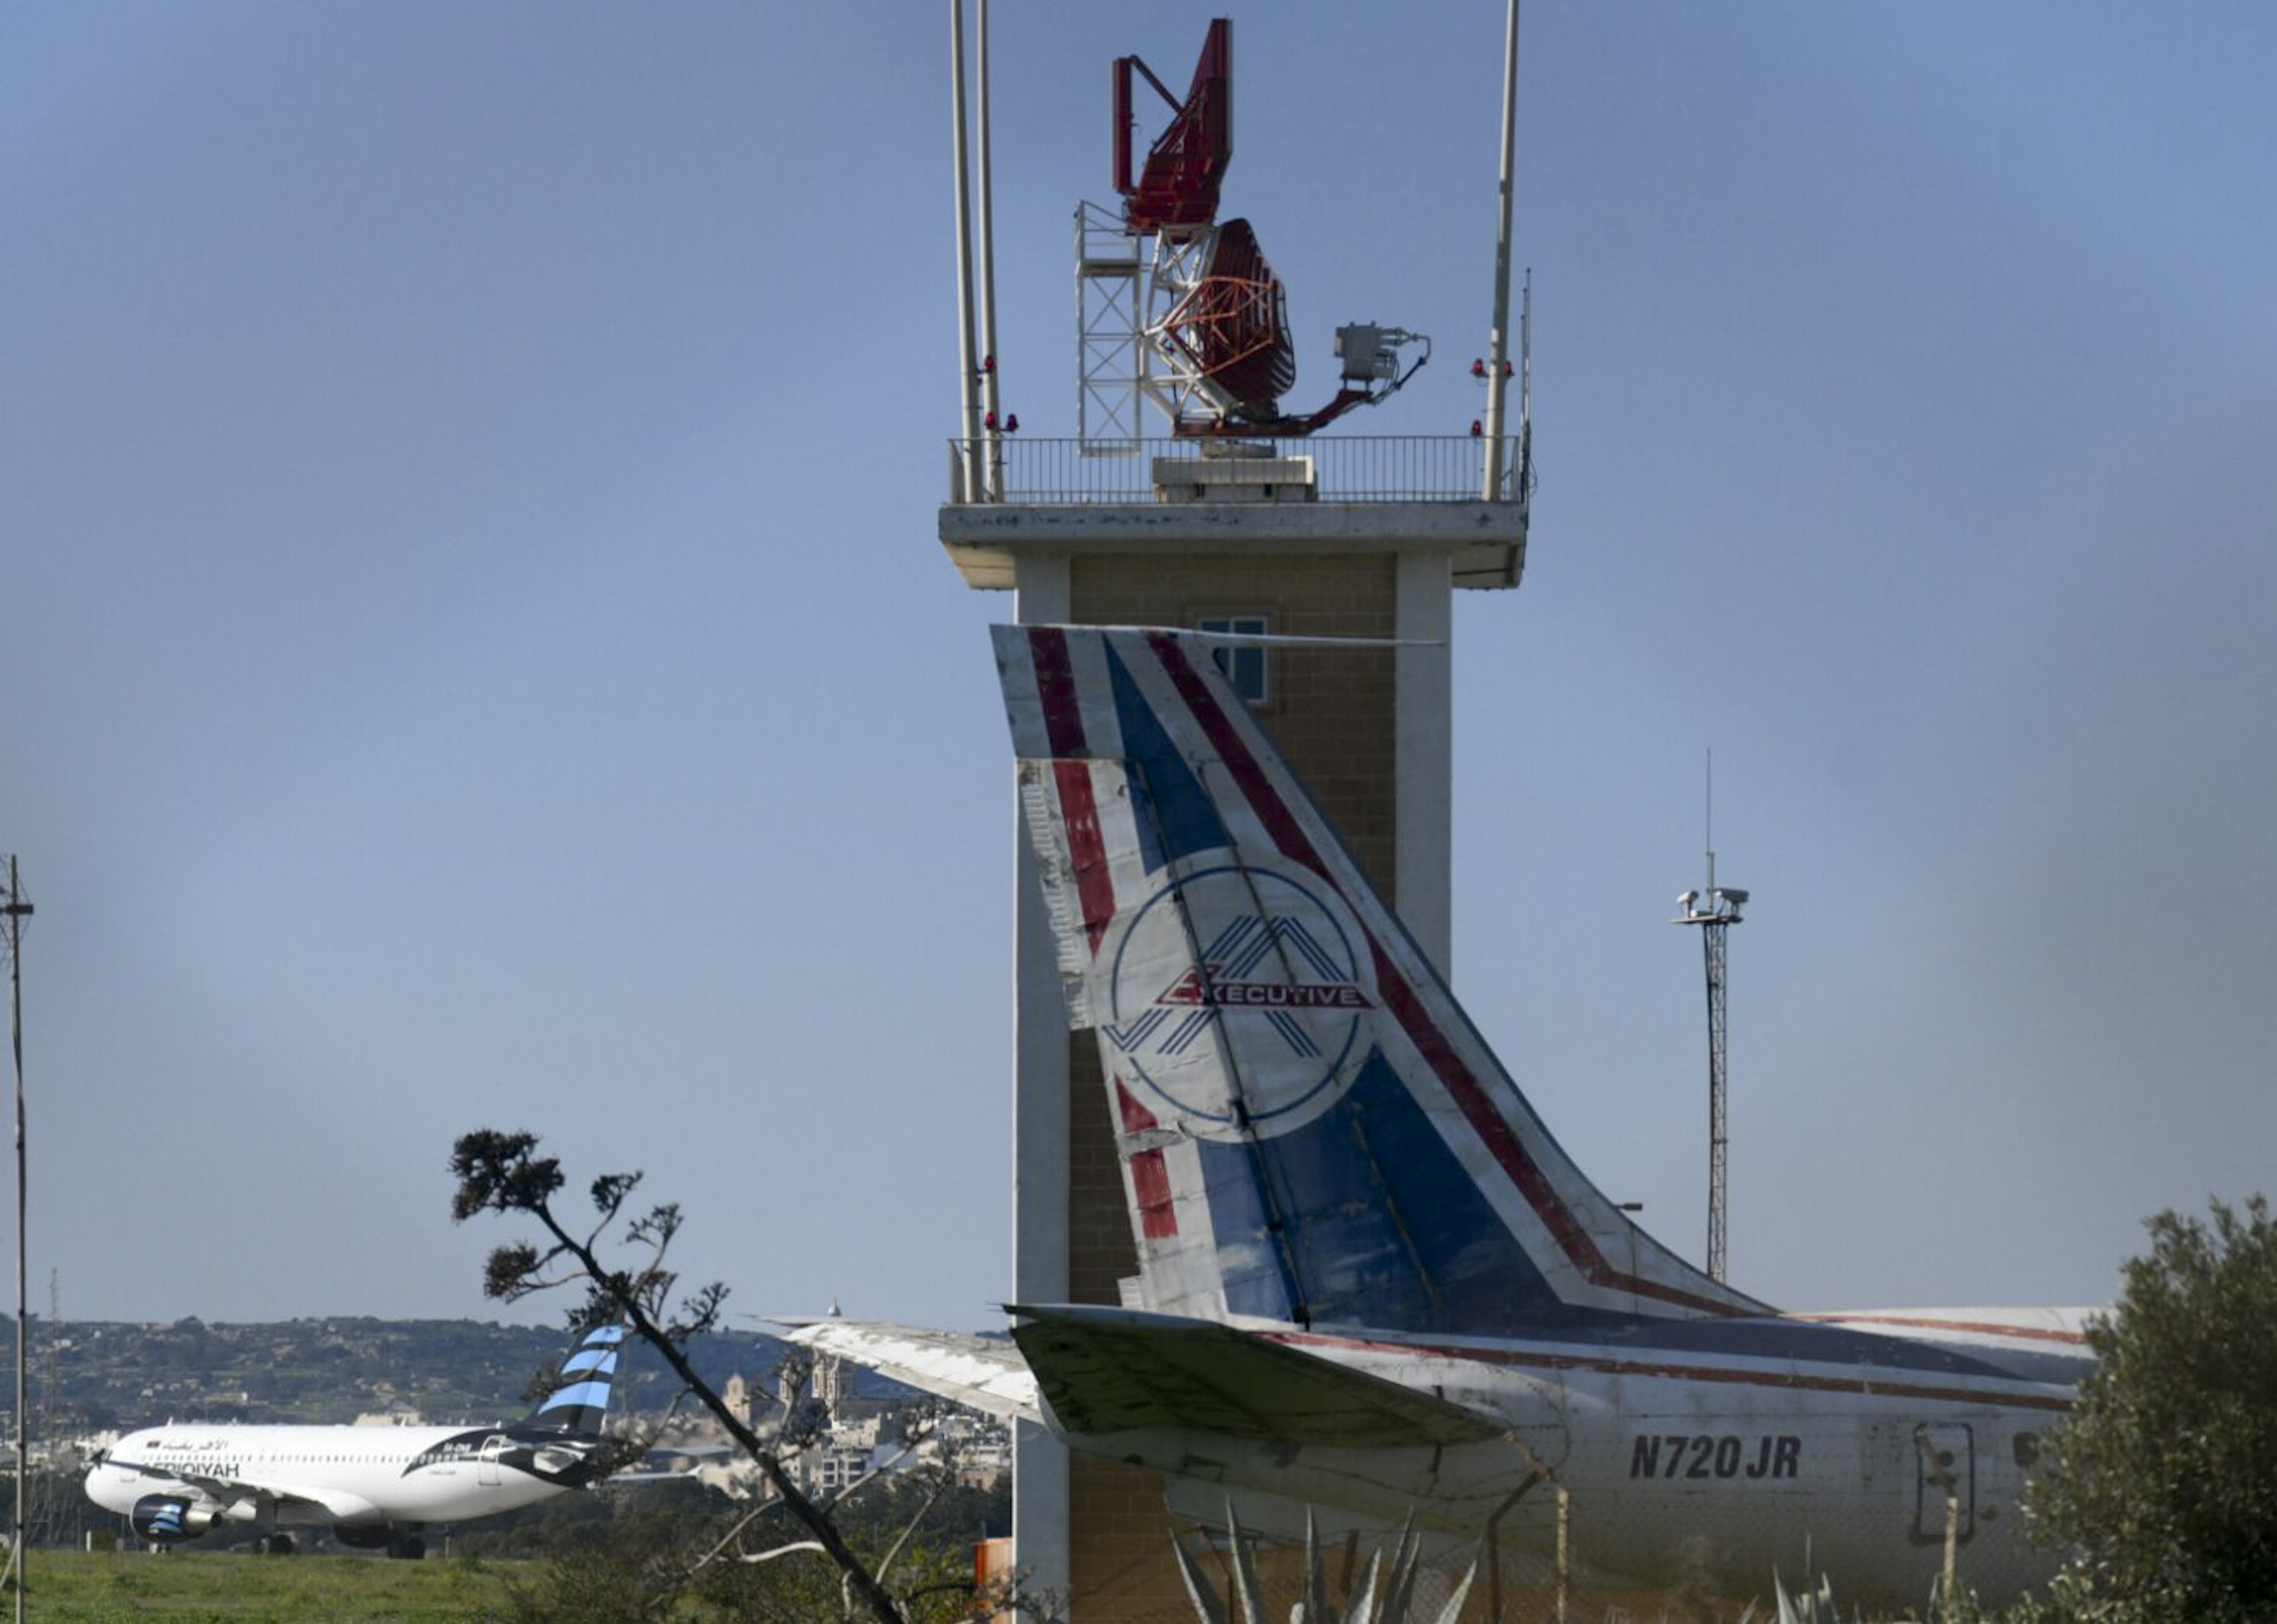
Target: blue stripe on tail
585, 1378
1385, 1228
1175, 818
593, 1394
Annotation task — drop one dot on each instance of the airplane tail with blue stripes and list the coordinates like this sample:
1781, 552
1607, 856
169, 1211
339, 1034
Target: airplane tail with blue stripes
578, 1399
1310, 1129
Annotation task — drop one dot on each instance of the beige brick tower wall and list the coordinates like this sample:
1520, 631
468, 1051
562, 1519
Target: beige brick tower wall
1331, 710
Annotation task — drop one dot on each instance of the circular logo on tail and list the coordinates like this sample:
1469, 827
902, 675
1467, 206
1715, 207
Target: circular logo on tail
1238, 992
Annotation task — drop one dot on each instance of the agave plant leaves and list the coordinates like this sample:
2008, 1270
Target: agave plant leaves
1384, 1596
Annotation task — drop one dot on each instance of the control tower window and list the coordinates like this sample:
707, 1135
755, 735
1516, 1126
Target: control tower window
1245, 666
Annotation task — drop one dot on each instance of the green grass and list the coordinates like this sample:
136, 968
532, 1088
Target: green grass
225, 1587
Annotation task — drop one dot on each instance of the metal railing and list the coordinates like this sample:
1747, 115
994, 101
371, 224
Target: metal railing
1386, 467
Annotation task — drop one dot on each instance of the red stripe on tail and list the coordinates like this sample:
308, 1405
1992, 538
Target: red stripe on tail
1150, 1175
1095, 885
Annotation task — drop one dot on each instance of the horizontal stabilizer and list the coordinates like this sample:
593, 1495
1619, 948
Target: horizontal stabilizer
1116, 1369
984, 1372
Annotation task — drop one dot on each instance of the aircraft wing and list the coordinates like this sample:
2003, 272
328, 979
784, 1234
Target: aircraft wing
986, 1373
224, 1490
343, 1507
1114, 1369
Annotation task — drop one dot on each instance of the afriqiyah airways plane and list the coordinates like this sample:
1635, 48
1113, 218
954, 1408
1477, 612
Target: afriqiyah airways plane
1370, 1282
371, 1486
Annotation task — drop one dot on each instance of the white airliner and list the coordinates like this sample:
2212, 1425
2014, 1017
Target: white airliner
371, 1486
1370, 1280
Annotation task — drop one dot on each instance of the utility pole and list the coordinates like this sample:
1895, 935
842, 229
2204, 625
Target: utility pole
15, 910
1715, 909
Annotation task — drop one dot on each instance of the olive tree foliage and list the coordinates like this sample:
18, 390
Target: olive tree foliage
503, 1173
2163, 1481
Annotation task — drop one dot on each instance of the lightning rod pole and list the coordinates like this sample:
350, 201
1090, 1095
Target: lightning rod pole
969, 486
992, 400
1491, 478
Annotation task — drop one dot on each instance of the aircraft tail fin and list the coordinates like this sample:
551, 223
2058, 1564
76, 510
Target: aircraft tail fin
1310, 1129
578, 1400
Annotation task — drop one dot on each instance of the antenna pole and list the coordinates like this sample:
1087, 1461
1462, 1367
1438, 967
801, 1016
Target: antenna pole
968, 479
1492, 484
15, 910
1525, 477
1718, 1122
995, 405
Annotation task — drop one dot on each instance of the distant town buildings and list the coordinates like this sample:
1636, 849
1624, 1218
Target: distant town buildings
861, 1435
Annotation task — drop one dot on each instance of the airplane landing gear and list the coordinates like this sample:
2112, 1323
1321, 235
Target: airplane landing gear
274, 1544
406, 1548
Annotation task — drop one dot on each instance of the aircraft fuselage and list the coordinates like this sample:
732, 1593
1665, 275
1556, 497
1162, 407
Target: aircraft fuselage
1788, 1443
273, 1477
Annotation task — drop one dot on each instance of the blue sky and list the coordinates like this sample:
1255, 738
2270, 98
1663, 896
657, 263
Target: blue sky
474, 651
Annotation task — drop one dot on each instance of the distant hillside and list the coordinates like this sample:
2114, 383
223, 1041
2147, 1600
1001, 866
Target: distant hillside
89, 1375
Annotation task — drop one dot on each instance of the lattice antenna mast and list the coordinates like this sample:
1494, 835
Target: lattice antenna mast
1715, 909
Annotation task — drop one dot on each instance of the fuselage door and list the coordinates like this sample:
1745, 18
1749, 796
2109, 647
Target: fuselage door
1944, 1467
486, 1473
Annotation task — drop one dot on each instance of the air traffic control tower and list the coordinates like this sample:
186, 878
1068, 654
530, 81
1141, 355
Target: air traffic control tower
1232, 515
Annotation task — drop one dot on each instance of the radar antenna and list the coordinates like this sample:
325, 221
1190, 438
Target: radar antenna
1188, 314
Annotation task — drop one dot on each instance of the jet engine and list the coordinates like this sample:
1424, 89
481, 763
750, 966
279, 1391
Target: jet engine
167, 1518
